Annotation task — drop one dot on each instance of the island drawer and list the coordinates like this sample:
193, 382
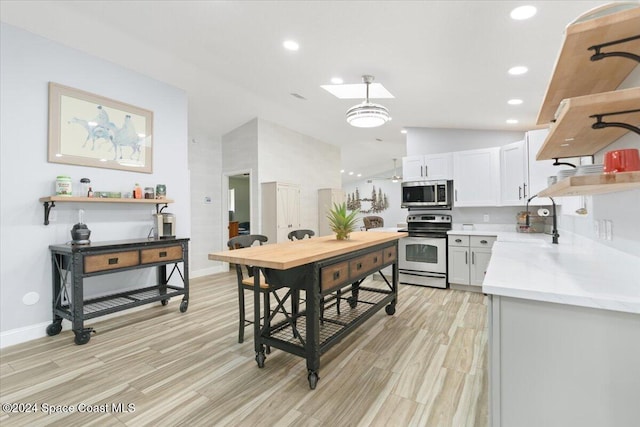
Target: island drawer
111, 261
170, 253
458, 240
365, 264
482, 241
390, 254
334, 275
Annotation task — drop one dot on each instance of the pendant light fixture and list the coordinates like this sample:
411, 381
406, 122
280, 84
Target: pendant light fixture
367, 114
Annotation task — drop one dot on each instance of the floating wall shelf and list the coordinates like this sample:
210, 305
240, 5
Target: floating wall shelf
593, 184
576, 73
573, 135
50, 202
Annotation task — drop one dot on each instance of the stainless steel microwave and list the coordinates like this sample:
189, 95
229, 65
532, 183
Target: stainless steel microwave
427, 194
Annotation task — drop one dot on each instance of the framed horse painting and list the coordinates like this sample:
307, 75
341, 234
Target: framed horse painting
90, 130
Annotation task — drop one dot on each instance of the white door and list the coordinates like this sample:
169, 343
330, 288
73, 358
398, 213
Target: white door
513, 174
476, 177
458, 265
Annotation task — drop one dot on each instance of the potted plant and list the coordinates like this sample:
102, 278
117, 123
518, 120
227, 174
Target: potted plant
342, 223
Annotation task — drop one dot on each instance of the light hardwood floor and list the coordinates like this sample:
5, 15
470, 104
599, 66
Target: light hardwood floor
424, 366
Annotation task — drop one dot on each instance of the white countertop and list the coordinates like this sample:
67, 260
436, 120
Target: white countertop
577, 271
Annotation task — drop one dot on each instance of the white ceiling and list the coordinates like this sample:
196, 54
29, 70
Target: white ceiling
445, 62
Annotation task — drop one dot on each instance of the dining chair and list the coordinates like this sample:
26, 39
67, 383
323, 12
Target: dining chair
300, 234
245, 280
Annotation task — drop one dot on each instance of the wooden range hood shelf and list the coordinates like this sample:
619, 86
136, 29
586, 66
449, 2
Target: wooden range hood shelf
575, 74
572, 135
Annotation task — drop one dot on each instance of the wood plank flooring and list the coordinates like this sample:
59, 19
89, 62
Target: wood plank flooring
424, 366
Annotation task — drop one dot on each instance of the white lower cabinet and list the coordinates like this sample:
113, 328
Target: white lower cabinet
468, 258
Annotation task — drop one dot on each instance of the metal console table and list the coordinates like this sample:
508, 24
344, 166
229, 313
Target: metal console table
71, 264
319, 266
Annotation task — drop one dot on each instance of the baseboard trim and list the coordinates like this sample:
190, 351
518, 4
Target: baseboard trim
39, 330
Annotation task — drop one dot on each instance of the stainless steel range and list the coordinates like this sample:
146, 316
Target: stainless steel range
423, 255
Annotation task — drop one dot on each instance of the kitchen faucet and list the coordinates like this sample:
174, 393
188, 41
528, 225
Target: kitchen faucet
554, 231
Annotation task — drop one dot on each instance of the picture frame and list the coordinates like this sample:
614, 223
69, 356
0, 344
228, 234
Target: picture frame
86, 129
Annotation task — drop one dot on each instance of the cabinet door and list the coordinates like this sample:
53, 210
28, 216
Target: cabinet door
458, 265
476, 177
438, 166
513, 174
413, 168
479, 262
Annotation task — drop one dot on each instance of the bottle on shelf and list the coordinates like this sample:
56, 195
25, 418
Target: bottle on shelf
137, 191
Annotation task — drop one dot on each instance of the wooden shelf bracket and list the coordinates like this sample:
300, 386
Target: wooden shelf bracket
599, 124
601, 55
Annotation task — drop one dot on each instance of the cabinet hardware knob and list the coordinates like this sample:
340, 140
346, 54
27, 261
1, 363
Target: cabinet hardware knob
358, 266
484, 242
162, 254
113, 261
336, 275
466, 257
519, 192
375, 260
524, 193
458, 240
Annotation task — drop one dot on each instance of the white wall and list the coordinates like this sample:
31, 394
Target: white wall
27, 64
435, 140
288, 156
205, 162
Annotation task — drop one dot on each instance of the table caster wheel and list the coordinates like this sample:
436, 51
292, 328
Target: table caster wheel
82, 337
390, 309
164, 302
260, 358
54, 328
352, 302
183, 306
313, 379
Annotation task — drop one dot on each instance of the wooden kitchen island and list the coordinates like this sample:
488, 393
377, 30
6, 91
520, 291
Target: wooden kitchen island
319, 266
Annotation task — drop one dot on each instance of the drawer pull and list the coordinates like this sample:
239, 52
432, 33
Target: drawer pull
484, 242
336, 275
458, 240
375, 259
113, 261
358, 266
162, 254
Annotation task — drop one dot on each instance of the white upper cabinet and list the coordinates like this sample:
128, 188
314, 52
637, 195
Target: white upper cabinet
427, 167
514, 172
476, 178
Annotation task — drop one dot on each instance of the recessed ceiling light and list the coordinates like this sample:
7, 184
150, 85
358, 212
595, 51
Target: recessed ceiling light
350, 173
341, 170
523, 12
336, 80
517, 70
359, 175
291, 45
512, 121
403, 131
514, 101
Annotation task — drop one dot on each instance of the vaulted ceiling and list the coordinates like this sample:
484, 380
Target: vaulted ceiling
445, 62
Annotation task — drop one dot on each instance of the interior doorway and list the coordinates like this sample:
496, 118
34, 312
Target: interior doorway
239, 204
